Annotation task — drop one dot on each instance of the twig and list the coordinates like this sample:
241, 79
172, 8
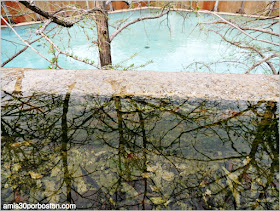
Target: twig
231, 24
26, 43
247, 28
261, 61
65, 53
246, 47
22, 50
12, 41
135, 21
61, 22
39, 31
125, 20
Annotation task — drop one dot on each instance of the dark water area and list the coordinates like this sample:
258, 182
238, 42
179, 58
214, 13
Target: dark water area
137, 153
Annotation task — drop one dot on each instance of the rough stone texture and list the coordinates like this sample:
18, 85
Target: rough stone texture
143, 83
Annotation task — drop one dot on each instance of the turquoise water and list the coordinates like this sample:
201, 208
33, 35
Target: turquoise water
174, 44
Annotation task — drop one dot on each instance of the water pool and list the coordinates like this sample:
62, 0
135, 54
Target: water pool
135, 153
173, 45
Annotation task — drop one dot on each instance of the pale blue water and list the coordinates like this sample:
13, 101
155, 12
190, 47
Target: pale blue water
174, 45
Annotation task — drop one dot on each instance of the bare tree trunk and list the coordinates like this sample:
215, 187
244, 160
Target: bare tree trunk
8, 15
65, 142
109, 2
37, 15
104, 45
271, 7
242, 11
191, 5
101, 19
215, 9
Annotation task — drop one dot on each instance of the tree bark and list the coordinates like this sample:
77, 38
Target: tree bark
38, 18
58, 20
242, 10
101, 18
215, 9
271, 7
8, 15
104, 45
46, 14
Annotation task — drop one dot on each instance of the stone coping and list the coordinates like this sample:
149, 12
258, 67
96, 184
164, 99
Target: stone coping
210, 86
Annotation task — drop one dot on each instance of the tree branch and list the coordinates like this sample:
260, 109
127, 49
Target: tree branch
46, 14
247, 28
239, 29
65, 53
39, 31
26, 43
119, 25
22, 50
61, 22
260, 30
135, 21
261, 61
246, 47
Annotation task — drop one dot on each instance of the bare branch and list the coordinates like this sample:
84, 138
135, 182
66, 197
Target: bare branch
215, 9
271, 7
22, 50
6, 11
119, 25
239, 29
135, 21
46, 14
260, 30
246, 47
62, 22
267, 18
262, 61
39, 31
26, 43
65, 53
247, 28
18, 15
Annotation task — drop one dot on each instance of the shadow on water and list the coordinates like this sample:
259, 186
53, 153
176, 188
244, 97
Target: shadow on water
139, 153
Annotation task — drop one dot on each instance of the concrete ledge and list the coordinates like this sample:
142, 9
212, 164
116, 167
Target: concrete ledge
210, 86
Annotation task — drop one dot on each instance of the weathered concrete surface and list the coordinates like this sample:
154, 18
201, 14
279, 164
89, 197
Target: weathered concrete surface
143, 83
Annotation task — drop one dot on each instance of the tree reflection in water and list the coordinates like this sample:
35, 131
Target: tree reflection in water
139, 153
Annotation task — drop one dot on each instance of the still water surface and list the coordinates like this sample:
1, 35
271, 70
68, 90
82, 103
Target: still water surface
103, 152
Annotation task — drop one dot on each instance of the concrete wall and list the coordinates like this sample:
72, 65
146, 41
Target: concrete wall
21, 14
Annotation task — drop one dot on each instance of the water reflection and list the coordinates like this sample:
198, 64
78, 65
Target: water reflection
137, 153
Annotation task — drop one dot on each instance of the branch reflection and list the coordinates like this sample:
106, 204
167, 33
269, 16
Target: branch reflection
138, 153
